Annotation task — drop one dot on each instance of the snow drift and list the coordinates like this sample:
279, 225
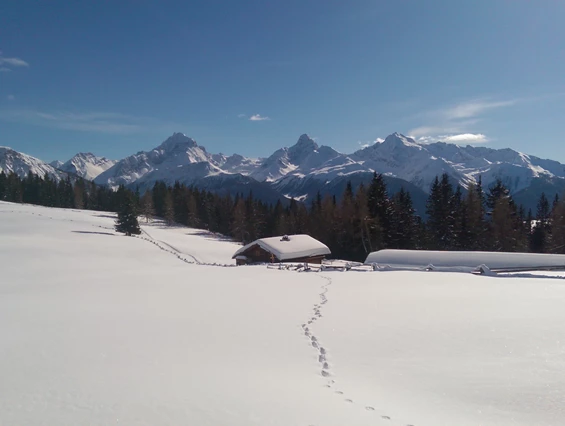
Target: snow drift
418, 259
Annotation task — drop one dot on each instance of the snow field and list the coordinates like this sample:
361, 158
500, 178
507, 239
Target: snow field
103, 329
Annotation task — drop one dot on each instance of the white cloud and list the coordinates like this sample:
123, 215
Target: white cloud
465, 137
469, 138
14, 62
258, 117
368, 144
474, 108
10, 97
99, 122
4, 69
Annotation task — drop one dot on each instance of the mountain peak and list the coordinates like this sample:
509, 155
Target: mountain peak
178, 141
397, 139
304, 143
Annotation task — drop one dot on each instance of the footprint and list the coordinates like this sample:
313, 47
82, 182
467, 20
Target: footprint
325, 373
321, 358
385, 417
315, 344
339, 392
322, 351
326, 366
370, 408
349, 400
314, 338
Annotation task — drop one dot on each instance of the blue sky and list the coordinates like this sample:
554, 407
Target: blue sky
117, 77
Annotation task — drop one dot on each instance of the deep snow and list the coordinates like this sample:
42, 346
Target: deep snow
103, 329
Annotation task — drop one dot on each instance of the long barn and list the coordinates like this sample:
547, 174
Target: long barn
287, 248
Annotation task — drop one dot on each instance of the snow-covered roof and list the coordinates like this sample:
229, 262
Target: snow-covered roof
296, 246
471, 259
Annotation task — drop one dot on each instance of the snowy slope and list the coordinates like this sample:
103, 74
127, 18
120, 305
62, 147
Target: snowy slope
22, 164
99, 329
86, 165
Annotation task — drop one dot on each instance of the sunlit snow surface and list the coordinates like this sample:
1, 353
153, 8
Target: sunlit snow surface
102, 329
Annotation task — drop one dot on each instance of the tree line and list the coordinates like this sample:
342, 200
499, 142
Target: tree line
361, 220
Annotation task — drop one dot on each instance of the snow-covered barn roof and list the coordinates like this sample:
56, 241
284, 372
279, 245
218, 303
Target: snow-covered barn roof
296, 246
471, 259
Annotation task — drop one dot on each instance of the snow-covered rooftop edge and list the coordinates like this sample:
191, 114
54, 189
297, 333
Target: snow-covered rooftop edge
300, 245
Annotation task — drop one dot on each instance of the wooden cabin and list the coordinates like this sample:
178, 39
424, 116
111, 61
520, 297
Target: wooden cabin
288, 248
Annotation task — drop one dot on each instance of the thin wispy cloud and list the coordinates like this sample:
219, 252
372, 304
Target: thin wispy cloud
7, 63
458, 123
241, 115
258, 117
475, 108
10, 97
98, 122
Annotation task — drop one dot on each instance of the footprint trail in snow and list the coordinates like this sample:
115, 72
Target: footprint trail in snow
322, 352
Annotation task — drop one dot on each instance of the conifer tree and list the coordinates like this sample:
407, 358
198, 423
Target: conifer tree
147, 209
557, 240
127, 217
403, 225
440, 208
363, 220
238, 228
507, 228
380, 212
540, 232
168, 208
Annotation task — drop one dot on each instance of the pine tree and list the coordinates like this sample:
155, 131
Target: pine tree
472, 219
168, 208
379, 207
147, 209
238, 228
3, 185
540, 232
127, 217
557, 241
403, 225
440, 208
363, 220
507, 231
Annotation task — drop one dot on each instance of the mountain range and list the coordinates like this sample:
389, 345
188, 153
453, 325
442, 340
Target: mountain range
305, 168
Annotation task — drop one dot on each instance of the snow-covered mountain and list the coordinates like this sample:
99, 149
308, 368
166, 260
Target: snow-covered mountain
305, 168
302, 159
22, 164
178, 158
86, 165
418, 163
